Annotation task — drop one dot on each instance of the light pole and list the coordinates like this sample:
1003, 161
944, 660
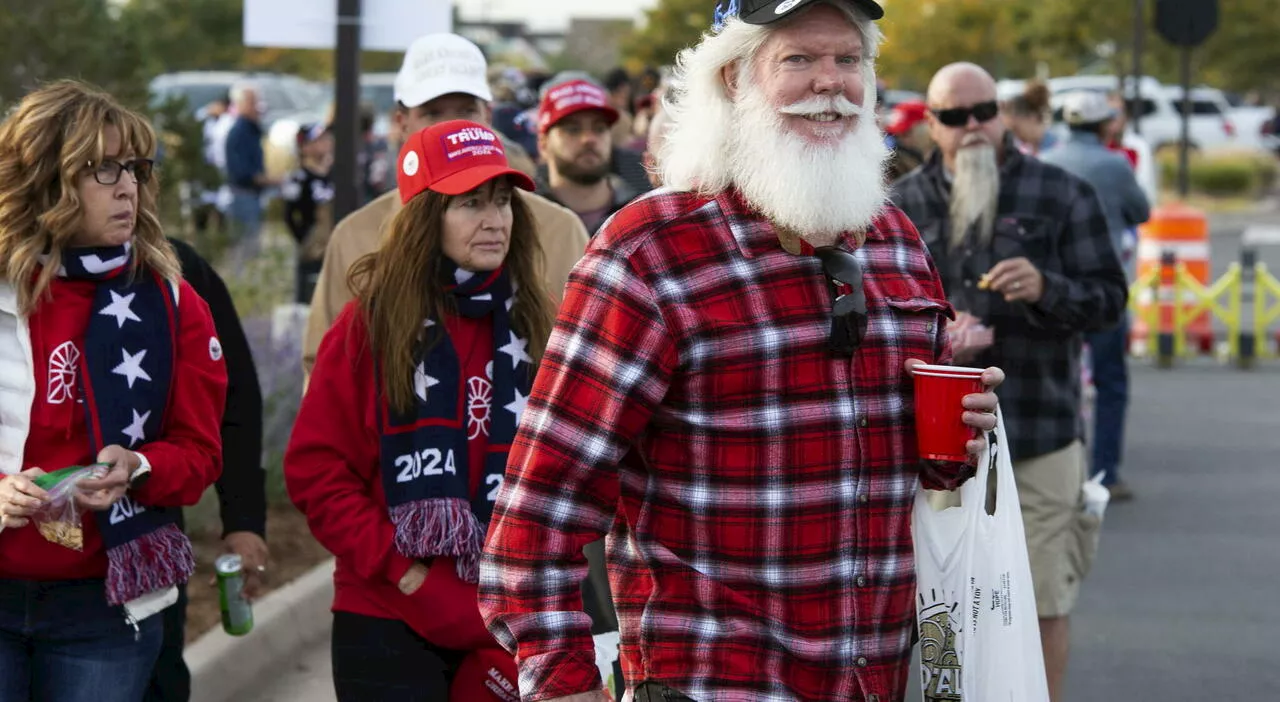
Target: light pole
1139, 36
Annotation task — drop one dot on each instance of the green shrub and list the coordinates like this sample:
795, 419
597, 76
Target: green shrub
1224, 173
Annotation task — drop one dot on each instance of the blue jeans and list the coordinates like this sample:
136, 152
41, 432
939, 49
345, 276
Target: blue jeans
246, 220
62, 642
1111, 380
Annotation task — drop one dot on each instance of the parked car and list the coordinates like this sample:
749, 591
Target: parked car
1253, 127
1159, 117
283, 94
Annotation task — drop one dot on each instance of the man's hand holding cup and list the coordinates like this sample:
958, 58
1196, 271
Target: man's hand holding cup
955, 406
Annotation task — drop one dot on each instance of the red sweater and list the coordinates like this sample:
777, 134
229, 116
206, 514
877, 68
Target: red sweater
333, 473
184, 462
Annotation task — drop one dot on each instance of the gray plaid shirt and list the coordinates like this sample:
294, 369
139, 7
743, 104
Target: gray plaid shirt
1055, 220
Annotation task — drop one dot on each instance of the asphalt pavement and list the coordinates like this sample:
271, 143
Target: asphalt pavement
1181, 603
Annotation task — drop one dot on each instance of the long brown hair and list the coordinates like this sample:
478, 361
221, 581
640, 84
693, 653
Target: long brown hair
398, 288
45, 145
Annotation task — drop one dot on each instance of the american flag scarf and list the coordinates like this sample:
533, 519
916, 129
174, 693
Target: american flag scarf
125, 383
424, 454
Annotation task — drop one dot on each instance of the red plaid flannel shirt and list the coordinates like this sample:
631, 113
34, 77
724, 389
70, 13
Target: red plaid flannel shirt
756, 487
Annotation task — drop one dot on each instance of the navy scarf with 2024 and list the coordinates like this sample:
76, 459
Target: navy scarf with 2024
126, 372
424, 453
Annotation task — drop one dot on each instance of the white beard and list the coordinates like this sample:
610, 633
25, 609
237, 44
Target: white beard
975, 191
818, 191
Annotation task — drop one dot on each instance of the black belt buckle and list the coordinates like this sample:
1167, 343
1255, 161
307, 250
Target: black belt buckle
650, 691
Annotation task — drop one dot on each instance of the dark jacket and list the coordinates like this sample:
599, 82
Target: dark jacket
623, 194
242, 488
245, 160
1055, 220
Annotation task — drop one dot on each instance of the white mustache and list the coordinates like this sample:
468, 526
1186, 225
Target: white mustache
975, 138
838, 104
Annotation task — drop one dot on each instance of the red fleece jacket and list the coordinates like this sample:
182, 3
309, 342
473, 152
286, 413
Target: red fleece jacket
185, 461
333, 471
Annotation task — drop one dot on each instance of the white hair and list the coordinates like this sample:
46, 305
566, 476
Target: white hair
240, 88
975, 190
694, 156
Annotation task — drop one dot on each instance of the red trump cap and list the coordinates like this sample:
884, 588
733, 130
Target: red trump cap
453, 158
569, 97
486, 675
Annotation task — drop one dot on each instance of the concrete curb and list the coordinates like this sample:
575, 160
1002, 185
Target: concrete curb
285, 621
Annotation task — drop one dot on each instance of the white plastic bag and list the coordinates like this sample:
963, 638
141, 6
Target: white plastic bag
975, 604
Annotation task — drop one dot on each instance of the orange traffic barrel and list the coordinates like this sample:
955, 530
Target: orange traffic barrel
1184, 231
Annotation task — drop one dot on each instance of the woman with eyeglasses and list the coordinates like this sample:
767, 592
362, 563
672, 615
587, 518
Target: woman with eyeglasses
400, 446
108, 358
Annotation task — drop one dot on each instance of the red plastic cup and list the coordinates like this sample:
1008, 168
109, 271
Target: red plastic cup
941, 433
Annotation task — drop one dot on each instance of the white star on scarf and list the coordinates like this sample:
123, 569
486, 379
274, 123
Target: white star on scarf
516, 350
516, 406
119, 308
134, 431
131, 367
94, 264
422, 382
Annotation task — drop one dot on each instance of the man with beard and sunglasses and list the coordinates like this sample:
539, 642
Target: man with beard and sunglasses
575, 140
727, 396
1025, 250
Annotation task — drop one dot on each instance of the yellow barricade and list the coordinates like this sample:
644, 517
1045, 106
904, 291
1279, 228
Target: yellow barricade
1264, 312
1246, 300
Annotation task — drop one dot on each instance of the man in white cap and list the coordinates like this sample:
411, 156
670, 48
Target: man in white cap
444, 77
1084, 154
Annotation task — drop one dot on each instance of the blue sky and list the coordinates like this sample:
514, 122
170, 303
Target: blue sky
550, 14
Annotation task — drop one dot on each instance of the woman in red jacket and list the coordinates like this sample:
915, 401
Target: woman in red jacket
401, 442
106, 356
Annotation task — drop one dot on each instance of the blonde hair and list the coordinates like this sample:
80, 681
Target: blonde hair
398, 287
46, 143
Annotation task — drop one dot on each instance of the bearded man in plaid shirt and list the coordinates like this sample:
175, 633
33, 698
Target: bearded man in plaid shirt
1025, 251
726, 395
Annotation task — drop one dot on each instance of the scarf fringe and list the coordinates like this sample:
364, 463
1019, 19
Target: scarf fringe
148, 563
440, 527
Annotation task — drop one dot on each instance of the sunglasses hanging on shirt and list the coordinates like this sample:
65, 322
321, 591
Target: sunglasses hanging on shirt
848, 311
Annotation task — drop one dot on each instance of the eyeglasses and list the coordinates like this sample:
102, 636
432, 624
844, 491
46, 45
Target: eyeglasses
108, 172
849, 311
959, 116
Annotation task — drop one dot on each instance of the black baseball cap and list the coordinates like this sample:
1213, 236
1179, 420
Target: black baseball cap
768, 11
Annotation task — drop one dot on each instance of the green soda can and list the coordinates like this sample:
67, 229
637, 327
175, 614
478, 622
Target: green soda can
237, 613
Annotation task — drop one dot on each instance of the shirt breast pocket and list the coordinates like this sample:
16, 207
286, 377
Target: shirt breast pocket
908, 328
1023, 236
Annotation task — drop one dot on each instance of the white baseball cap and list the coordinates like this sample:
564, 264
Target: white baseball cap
439, 64
1083, 107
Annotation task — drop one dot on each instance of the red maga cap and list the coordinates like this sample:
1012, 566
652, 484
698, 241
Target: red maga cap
485, 675
569, 97
453, 158
906, 115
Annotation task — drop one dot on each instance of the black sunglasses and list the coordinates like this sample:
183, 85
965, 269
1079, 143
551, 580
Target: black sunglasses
959, 116
107, 172
848, 312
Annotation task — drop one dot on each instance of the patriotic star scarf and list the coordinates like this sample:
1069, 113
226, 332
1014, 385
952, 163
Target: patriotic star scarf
424, 452
125, 376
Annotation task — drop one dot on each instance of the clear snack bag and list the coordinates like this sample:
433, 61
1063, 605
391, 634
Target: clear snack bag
59, 520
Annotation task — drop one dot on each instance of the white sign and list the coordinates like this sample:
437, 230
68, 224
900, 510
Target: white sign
386, 25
